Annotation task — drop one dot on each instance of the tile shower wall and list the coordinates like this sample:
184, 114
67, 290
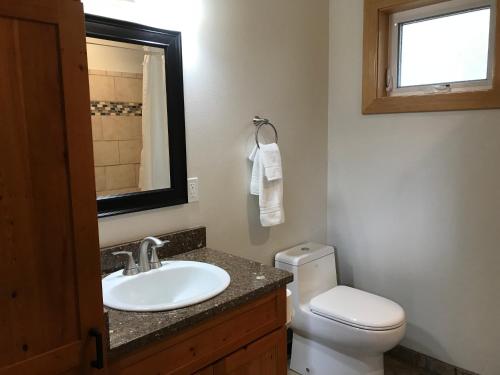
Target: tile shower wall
116, 100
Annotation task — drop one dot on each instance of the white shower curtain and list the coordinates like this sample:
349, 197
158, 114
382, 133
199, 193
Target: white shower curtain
154, 172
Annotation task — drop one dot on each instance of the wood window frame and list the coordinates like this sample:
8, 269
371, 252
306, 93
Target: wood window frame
376, 61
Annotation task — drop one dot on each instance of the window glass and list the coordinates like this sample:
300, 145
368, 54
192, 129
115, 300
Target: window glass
451, 48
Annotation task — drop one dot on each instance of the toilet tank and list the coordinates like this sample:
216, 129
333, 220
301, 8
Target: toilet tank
313, 268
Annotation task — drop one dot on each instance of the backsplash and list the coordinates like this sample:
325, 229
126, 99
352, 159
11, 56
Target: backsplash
180, 242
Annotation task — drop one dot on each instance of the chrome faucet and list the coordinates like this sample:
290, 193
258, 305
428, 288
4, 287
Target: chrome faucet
144, 263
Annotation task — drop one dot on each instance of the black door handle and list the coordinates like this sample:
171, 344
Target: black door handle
99, 361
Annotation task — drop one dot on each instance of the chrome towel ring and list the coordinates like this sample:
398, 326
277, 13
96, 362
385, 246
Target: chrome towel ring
259, 122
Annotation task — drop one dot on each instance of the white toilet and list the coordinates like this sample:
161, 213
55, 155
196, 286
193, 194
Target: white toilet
337, 330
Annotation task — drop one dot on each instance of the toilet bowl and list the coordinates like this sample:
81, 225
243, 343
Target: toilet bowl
336, 329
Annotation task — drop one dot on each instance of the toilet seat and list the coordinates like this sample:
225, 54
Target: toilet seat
359, 309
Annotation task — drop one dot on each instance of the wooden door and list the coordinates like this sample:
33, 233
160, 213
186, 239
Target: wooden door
50, 292
206, 371
266, 356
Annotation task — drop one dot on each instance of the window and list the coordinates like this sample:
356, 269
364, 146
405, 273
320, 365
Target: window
442, 55
443, 47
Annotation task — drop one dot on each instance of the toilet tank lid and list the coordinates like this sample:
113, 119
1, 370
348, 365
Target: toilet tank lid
304, 253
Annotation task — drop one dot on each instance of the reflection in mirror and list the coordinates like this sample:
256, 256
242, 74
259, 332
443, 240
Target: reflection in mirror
129, 117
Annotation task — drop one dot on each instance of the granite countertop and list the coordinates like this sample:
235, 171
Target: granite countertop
249, 280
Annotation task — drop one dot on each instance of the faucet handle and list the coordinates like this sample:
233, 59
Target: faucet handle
131, 268
155, 262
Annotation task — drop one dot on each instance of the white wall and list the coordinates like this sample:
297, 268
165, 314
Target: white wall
242, 58
414, 208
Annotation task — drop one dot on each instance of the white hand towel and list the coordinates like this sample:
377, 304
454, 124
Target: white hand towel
270, 192
271, 158
271, 203
256, 173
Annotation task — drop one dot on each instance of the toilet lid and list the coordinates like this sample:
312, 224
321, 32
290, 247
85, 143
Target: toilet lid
359, 309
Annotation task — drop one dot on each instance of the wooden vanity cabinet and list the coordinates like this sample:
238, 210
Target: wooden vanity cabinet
248, 340
262, 357
50, 282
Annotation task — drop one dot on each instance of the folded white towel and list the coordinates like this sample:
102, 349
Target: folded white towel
270, 192
271, 203
271, 158
254, 157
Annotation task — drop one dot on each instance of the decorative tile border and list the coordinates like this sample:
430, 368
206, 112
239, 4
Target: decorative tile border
180, 242
425, 364
105, 108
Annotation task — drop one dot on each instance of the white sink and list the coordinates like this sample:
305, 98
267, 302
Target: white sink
176, 284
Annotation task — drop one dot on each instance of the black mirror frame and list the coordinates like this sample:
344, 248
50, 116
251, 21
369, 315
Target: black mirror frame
170, 41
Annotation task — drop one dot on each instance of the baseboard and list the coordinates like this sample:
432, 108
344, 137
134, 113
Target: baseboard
425, 363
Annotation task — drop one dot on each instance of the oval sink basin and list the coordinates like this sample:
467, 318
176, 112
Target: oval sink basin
176, 284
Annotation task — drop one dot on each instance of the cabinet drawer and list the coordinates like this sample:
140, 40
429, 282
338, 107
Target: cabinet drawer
204, 344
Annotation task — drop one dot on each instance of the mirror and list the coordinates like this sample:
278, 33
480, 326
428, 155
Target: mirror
129, 117
137, 112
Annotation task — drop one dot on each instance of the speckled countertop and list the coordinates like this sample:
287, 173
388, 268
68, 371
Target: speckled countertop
249, 280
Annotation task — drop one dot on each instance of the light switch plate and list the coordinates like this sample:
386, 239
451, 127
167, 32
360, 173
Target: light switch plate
193, 189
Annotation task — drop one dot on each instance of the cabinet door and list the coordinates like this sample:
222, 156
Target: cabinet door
266, 356
50, 292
